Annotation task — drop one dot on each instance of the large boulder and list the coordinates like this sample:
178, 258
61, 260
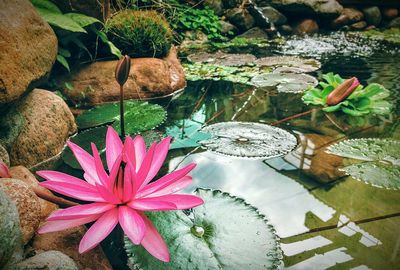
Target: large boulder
28, 49
27, 204
67, 242
241, 18
148, 78
36, 128
4, 156
49, 260
372, 15
327, 8
274, 16
353, 14
306, 26
10, 232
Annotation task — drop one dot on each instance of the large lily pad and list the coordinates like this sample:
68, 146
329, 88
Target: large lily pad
380, 160
223, 59
209, 239
139, 116
249, 140
297, 64
98, 137
285, 82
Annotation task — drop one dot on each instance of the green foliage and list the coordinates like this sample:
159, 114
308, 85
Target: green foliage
363, 101
70, 29
390, 36
205, 240
140, 33
378, 160
139, 116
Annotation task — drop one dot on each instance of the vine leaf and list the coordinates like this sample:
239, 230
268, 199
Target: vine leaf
139, 116
379, 160
205, 240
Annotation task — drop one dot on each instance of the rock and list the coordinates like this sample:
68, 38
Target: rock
67, 242
327, 8
91, 8
359, 25
370, 27
23, 66
340, 21
10, 232
27, 204
254, 33
49, 260
372, 15
241, 18
232, 3
228, 28
389, 13
23, 174
353, 14
216, 5
4, 156
395, 23
307, 26
148, 78
286, 29
274, 16
36, 128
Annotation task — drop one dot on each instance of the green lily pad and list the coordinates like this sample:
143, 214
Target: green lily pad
296, 64
139, 116
285, 82
223, 59
204, 240
380, 160
249, 140
186, 134
98, 137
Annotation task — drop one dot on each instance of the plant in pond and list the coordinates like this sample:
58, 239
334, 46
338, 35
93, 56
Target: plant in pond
140, 33
284, 82
122, 195
378, 160
391, 36
70, 29
204, 239
348, 96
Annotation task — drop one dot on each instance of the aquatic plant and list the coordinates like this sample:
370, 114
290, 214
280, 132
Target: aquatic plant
284, 82
140, 33
378, 160
206, 240
390, 36
122, 195
363, 101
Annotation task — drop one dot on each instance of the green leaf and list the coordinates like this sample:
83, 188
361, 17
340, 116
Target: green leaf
285, 82
139, 116
381, 166
186, 134
64, 52
207, 241
60, 20
46, 5
61, 59
113, 49
81, 19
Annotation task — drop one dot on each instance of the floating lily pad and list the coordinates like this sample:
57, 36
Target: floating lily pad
186, 133
285, 82
139, 116
250, 140
296, 63
98, 137
223, 59
380, 160
205, 240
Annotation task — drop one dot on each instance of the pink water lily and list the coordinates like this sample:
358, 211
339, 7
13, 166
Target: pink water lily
4, 172
122, 194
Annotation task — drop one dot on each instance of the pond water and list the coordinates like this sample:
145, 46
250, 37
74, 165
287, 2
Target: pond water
324, 220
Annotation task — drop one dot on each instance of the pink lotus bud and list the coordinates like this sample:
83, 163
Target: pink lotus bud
342, 91
122, 70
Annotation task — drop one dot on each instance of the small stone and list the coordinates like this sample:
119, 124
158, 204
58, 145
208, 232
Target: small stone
395, 23
27, 204
340, 21
307, 26
370, 27
241, 18
228, 28
390, 13
49, 260
216, 5
359, 25
324, 8
4, 156
372, 15
286, 29
274, 16
254, 33
67, 242
353, 14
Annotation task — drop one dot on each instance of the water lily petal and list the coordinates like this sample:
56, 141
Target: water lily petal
128, 184
140, 151
4, 172
132, 224
154, 243
151, 204
74, 191
101, 173
86, 161
181, 201
108, 195
113, 147
59, 225
99, 230
160, 153
114, 172
145, 167
80, 211
165, 181
174, 187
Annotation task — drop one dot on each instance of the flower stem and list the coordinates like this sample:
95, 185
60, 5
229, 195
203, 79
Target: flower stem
50, 197
121, 110
294, 116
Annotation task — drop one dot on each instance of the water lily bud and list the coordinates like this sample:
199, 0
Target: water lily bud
342, 91
122, 70
4, 172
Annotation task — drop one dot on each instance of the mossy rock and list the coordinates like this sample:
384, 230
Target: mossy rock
140, 33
